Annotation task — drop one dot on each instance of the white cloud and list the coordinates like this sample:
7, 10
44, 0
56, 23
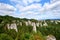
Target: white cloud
29, 9
6, 9
24, 2
52, 1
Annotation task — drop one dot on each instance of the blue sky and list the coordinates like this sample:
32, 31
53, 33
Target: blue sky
35, 9
5, 1
9, 2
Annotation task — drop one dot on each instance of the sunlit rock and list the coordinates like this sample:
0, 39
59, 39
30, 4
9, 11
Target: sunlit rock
20, 23
2, 22
12, 26
26, 23
37, 24
50, 37
29, 22
45, 24
8, 26
51, 21
59, 21
41, 24
56, 22
34, 27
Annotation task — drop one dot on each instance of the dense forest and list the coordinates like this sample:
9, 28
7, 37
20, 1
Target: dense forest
28, 29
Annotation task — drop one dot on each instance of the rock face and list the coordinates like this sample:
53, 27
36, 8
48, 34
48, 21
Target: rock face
29, 22
20, 23
37, 24
26, 23
45, 24
34, 27
51, 37
12, 26
33, 24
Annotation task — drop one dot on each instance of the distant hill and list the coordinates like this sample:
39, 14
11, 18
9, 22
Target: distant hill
10, 19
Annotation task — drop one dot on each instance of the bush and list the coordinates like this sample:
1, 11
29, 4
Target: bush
54, 30
37, 36
5, 37
12, 33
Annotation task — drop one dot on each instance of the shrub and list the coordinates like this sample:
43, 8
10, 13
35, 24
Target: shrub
5, 37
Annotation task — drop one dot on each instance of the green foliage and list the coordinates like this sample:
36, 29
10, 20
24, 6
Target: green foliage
23, 36
54, 30
5, 37
12, 33
37, 36
2, 30
25, 29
